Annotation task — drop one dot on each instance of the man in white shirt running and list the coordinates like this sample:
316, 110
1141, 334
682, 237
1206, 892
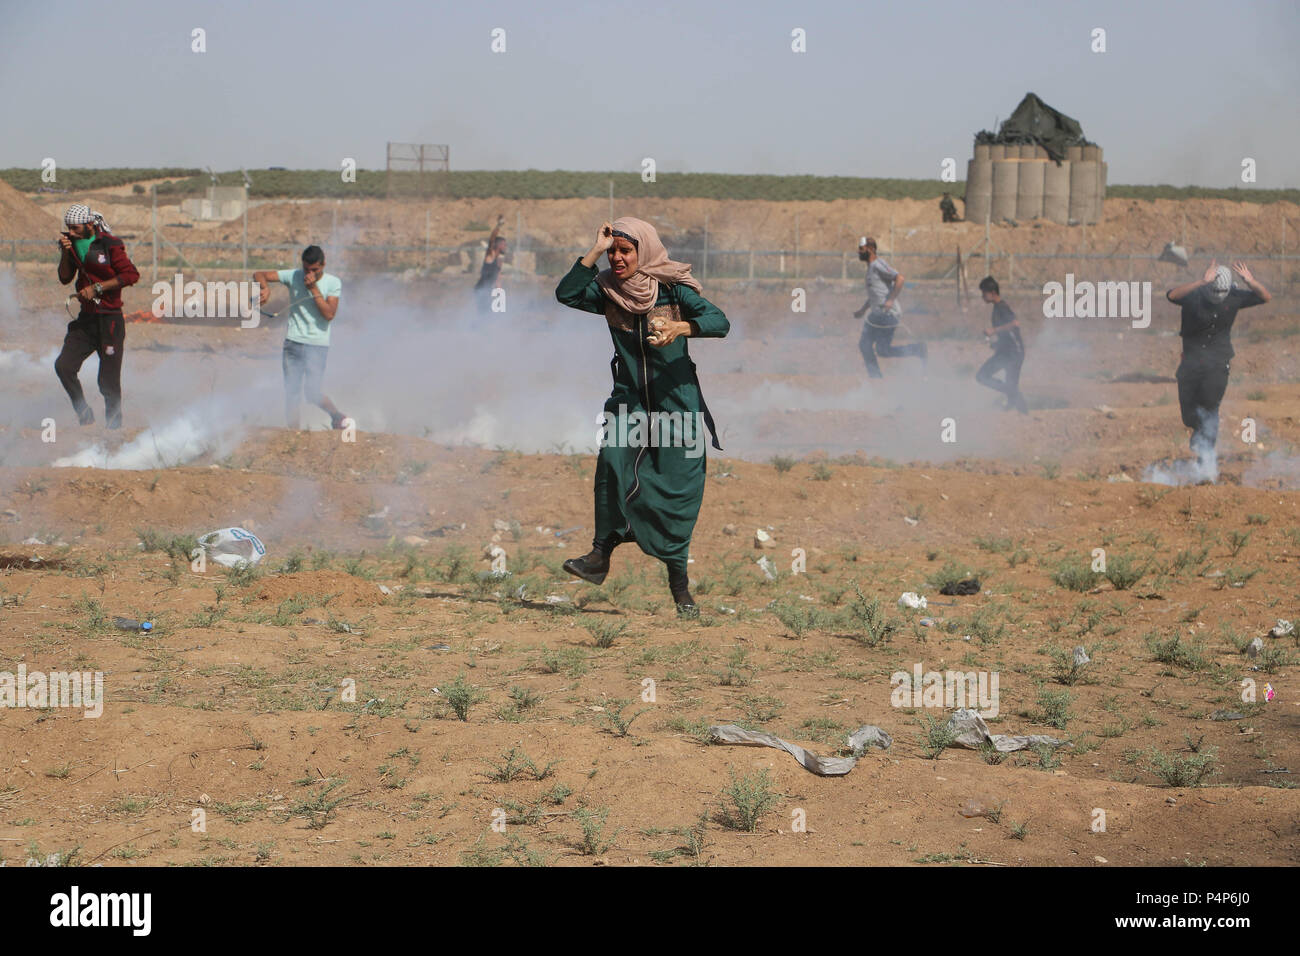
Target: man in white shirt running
313, 303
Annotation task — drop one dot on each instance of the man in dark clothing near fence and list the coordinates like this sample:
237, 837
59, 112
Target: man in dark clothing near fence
489, 278
884, 283
97, 260
1008, 348
1209, 308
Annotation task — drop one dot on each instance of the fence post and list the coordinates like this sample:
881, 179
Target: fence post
796, 246
426, 240
154, 228
844, 265
706, 245
1286, 275
751, 265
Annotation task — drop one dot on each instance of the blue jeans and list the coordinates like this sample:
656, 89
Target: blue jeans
304, 369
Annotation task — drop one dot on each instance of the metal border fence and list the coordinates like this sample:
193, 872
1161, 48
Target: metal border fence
922, 268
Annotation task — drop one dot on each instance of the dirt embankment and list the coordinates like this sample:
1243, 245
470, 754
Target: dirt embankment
1129, 226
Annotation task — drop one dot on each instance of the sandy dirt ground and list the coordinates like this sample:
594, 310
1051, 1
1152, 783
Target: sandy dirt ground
306, 712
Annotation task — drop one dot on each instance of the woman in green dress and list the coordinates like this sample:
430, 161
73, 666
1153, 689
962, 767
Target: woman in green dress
650, 469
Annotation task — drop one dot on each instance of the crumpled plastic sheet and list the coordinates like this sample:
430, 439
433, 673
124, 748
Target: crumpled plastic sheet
862, 738
972, 732
232, 547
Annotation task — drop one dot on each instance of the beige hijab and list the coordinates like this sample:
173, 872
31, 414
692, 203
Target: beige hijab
637, 293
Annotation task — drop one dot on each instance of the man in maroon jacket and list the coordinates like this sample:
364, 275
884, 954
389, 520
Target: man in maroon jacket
98, 261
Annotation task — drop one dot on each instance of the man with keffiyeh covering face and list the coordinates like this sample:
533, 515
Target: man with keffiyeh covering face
650, 471
97, 260
1209, 309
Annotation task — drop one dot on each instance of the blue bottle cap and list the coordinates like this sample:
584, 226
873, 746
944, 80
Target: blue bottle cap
146, 626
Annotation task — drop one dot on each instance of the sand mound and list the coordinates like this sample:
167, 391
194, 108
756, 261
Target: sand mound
20, 218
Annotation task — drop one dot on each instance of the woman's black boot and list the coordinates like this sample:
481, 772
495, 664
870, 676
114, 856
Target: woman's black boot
592, 566
679, 584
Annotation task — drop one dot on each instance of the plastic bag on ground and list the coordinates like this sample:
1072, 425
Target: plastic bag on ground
860, 739
232, 547
972, 732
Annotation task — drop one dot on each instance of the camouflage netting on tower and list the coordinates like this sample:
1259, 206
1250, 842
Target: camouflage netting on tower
1038, 165
1036, 123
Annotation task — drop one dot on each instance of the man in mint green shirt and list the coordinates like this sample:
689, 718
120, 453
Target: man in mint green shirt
313, 303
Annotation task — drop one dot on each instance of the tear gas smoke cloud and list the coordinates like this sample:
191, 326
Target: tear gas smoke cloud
194, 432
422, 361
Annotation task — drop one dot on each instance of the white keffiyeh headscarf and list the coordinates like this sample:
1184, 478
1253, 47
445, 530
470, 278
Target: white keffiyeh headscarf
78, 213
1222, 284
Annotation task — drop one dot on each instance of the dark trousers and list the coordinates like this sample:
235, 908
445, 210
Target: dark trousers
1200, 390
878, 341
1008, 360
104, 333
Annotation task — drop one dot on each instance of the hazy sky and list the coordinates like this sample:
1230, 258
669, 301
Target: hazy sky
1183, 92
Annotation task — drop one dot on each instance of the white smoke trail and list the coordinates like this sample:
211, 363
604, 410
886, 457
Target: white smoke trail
15, 364
1191, 471
197, 431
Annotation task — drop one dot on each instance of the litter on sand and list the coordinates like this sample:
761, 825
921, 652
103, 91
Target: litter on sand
232, 547
971, 731
911, 599
862, 738
1227, 715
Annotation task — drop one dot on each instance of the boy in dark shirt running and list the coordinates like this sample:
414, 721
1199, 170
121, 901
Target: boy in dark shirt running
1008, 348
1209, 308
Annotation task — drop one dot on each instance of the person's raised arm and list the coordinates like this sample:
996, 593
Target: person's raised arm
262, 277
327, 305
1178, 293
604, 239
491, 253
579, 289
67, 264
1252, 283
